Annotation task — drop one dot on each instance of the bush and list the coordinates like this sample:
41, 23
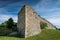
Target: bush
3, 25
43, 25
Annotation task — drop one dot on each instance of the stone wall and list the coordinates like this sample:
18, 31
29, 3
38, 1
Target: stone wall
32, 22
29, 22
21, 22
49, 25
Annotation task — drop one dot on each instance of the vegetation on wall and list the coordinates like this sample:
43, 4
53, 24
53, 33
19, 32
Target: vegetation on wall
43, 25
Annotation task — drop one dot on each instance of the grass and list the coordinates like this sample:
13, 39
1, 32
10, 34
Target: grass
44, 35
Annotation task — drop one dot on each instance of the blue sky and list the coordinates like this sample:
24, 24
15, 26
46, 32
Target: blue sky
49, 9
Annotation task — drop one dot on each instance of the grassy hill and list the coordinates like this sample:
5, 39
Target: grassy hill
44, 35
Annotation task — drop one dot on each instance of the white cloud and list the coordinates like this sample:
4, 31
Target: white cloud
54, 18
55, 21
50, 10
6, 17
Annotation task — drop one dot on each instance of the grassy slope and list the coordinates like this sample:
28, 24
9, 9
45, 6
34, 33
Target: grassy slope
44, 35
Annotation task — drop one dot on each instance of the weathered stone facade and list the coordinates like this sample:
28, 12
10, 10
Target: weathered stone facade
29, 22
21, 22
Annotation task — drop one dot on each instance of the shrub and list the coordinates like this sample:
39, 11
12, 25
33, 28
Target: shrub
43, 25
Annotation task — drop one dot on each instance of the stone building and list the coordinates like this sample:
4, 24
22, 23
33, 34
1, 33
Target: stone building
29, 22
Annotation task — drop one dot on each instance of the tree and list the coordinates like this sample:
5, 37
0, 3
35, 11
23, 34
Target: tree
14, 27
10, 23
3, 25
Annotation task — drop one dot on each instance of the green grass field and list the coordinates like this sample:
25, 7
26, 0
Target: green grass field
44, 35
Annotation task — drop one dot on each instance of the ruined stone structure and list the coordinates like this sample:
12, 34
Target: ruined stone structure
29, 22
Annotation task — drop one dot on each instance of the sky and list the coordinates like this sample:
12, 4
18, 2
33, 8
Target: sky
48, 9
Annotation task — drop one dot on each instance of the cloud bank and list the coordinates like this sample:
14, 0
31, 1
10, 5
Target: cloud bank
49, 9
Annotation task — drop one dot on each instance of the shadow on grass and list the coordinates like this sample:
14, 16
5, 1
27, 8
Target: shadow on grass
17, 36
